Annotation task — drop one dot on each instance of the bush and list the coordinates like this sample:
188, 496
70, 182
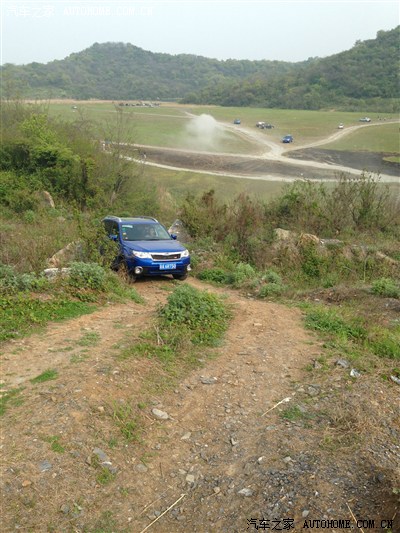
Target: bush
271, 289
216, 275
11, 282
202, 314
386, 287
272, 277
87, 276
243, 273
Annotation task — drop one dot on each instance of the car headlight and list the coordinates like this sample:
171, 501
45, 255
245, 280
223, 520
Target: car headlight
141, 255
185, 253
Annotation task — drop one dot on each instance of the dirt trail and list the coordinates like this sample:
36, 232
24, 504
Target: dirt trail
226, 452
277, 162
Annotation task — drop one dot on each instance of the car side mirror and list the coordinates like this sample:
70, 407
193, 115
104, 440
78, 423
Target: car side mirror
173, 236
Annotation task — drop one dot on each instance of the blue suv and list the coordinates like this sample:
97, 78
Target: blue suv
146, 248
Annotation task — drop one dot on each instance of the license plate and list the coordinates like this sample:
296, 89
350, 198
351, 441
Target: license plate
167, 266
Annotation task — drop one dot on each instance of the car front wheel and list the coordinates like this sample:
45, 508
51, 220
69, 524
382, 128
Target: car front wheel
125, 273
180, 277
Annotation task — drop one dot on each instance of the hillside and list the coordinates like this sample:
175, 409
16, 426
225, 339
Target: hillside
365, 77
122, 71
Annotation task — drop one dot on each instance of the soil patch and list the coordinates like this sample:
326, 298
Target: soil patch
370, 161
260, 432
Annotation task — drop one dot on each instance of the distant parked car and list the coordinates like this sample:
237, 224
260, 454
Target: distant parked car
365, 119
287, 139
264, 125
341, 126
237, 121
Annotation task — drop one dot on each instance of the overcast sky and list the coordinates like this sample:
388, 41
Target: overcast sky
286, 30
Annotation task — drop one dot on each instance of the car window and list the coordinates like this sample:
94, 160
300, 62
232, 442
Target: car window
144, 232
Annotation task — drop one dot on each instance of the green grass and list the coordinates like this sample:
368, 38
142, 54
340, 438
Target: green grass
165, 125
90, 338
127, 422
10, 398
21, 314
382, 138
47, 375
352, 335
55, 444
294, 413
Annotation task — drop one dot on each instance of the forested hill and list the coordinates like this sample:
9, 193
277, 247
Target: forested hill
367, 76
115, 71
364, 77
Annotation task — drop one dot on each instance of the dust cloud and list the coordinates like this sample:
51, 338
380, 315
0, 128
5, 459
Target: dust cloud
204, 133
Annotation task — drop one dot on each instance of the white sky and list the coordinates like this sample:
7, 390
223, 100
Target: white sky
286, 30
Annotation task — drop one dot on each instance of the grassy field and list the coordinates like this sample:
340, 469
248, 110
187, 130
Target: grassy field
382, 138
180, 183
159, 126
167, 125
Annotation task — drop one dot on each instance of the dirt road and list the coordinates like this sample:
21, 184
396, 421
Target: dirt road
277, 162
247, 436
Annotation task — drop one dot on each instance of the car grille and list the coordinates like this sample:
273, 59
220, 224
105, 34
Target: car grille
169, 256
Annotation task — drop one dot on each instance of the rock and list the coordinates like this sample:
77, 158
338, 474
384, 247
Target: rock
354, 373
308, 238
395, 379
186, 436
52, 273
305, 513
72, 252
190, 479
245, 492
140, 467
26, 483
216, 490
47, 199
180, 231
65, 508
102, 456
313, 390
233, 441
343, 363
161, 415
283, 234
208, 381
45, 465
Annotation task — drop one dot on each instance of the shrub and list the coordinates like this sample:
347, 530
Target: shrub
11, 282
216, 275
386, 287
271, 289
202, 314
272, 277
243, 273
87, 276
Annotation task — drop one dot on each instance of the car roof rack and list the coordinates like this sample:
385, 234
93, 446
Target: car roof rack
119, 219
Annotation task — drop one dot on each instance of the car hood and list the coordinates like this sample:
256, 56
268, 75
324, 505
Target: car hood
154, 246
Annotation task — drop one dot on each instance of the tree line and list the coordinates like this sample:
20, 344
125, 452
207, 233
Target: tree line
364, 77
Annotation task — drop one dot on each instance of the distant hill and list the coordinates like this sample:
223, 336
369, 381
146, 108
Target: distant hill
365, 77
113, 71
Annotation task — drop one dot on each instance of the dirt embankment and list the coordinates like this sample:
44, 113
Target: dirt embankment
261, 431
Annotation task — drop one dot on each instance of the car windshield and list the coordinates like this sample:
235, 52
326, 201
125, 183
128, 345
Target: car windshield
144, 232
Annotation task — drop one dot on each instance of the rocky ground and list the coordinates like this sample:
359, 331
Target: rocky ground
265, 434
